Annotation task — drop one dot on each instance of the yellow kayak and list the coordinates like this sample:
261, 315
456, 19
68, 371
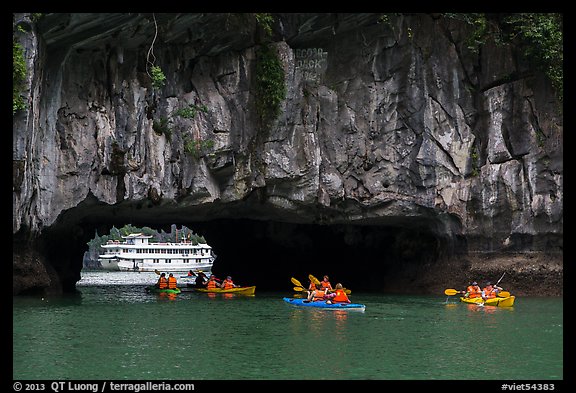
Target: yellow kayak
249, 291
496, 301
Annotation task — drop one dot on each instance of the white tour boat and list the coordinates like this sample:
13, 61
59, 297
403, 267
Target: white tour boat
138, 255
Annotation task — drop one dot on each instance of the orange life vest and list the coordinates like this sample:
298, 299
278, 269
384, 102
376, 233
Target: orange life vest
319, 295
171, 282
326, 285
162, 283
228, 284
341, 296
474, 291
211, 284
489, 293
312, 287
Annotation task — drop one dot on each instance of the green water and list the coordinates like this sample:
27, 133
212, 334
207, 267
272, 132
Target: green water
122, 332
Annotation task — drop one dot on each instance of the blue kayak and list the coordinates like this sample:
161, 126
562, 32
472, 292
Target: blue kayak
323, 304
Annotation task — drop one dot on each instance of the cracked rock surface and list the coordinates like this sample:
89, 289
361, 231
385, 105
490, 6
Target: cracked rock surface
383, 124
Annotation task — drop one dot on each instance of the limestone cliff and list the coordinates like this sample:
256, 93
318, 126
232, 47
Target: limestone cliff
386, 122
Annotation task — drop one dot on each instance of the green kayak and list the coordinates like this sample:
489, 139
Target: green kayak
154, 289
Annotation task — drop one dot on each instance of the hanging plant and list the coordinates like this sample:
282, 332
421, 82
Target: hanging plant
18, 77
154, 72
270, 84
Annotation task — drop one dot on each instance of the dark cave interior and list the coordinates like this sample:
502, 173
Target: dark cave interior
269, 253
373, 257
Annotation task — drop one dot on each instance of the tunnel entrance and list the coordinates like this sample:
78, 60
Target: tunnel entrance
391, 255
364, 257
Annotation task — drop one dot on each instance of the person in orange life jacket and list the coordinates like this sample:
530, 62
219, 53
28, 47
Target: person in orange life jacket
325, 283
339, 296
473, 290
311, 288
172, 284
490, 291
162, 282
212, 283
228, 283
317, 294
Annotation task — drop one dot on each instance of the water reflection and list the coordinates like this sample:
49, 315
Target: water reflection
341, 315
224, 296
488, 309
121, 331
167, 296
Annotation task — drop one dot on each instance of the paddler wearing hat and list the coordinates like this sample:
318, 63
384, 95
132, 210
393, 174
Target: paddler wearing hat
212, 284
228, 283
473, 290
490, 291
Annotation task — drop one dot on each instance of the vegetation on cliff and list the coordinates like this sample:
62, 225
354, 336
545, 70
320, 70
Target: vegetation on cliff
270, 86
538, 37
18, 77
270, 78
541, 39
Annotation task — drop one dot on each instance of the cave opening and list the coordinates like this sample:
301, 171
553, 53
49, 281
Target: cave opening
383, 257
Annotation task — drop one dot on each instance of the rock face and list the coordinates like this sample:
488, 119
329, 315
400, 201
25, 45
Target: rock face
386, 123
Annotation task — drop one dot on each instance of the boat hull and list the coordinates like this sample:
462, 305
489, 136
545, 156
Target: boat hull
129, 266
109, 264
324, 305
248, 291
497, 301
152, 288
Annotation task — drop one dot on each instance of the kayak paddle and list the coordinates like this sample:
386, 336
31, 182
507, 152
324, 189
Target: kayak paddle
317, 282
296, 282
498, 282
314, 279
451, 292
302, 289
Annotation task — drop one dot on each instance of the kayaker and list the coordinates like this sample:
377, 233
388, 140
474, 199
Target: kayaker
162, 282
200, 280
311, 287
339, 296
212, 284
473, 290
228, 283
316, 295
172, 284
490, 291
325, 283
